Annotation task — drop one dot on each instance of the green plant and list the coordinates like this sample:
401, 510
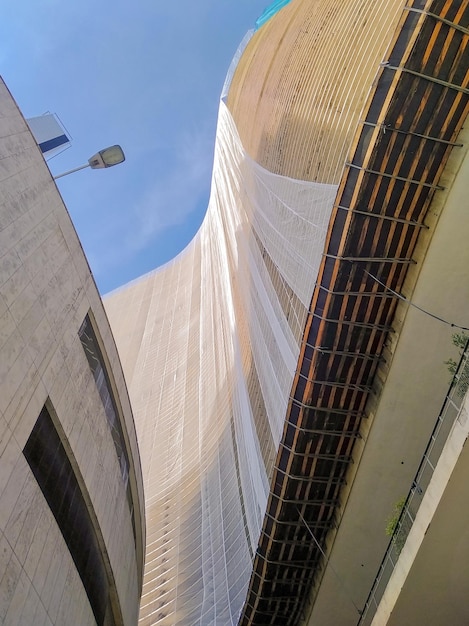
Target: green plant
391, 522
462, 382
398, 531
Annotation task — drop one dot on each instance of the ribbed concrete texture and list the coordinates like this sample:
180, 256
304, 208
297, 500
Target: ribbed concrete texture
301, 84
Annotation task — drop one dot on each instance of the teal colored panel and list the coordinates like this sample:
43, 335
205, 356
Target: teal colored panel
270, 11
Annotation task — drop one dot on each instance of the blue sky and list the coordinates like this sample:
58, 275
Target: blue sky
147, 75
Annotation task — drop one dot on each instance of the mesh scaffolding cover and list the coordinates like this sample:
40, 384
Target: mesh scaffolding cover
209, 345
210, 342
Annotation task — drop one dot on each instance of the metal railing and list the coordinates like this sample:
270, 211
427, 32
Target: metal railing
449, 413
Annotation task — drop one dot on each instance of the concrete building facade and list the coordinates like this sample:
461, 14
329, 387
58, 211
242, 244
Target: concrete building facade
285, 371
71, 497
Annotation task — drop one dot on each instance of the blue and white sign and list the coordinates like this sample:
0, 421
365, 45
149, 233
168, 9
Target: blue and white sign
49, 134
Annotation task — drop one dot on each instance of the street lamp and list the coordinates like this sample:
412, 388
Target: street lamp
104, 158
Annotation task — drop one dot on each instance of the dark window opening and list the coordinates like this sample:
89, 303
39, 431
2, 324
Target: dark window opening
53, 471
96, 362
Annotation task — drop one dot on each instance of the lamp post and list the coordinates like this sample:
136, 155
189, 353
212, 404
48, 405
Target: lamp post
104, 158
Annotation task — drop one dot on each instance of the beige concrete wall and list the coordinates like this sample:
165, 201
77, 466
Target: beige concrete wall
301, 84
46, 290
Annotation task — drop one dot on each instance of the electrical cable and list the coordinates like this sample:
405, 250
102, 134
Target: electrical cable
328, 561
409, 302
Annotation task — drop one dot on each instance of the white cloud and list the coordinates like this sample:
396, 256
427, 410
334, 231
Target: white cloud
174, 194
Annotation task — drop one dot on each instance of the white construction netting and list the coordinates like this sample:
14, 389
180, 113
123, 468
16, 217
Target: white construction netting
209, 345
